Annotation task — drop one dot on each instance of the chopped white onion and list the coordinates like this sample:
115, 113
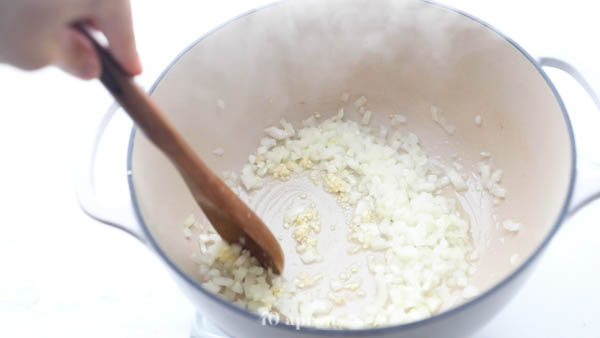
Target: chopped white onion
510, 225
398, 119
419, 249
218, 152
437, 116
276, 133
189, 221
366, 118
457, 181
360, 101
470, 292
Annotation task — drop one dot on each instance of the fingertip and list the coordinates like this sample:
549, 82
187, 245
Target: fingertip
126, 54
116, 24
139, 68
134, 66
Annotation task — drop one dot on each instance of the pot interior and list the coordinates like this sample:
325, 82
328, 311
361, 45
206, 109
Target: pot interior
293, 59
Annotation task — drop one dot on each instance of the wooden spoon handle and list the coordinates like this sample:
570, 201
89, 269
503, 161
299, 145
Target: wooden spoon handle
148, 117
144, 112
230, 217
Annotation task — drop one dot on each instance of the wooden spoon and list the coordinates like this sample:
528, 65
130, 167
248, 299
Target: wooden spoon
231, 218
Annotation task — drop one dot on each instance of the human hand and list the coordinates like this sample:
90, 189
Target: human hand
38, 33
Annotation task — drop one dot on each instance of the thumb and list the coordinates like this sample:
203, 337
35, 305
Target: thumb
76, 55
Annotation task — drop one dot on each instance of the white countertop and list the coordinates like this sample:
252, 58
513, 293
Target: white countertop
65, 275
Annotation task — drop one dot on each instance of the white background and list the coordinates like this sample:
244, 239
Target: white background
65, 275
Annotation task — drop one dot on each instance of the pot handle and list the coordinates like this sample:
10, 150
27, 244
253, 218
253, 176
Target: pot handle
107, 212
587, 183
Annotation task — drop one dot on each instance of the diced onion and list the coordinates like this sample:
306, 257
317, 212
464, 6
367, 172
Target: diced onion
219, 152
419, 249
510, 225
360, 101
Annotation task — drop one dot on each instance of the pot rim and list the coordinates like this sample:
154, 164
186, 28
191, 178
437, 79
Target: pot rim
379, 330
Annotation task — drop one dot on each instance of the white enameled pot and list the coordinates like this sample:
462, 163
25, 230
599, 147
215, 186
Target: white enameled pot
297, 57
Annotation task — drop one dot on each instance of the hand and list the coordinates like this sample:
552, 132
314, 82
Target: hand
37, 33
